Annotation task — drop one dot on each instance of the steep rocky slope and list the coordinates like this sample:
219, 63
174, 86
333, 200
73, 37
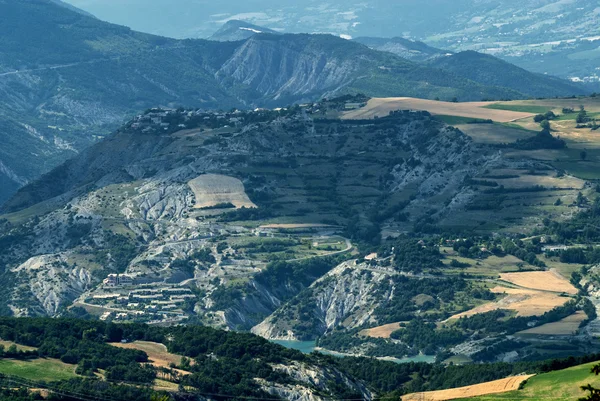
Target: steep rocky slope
125, 205
344, 297
133, 185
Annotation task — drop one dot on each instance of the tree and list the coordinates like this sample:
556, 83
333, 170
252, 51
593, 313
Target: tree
545, 124
547, 116
594, 393
582, 116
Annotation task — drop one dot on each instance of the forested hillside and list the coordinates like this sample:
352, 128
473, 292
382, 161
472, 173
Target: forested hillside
104, 363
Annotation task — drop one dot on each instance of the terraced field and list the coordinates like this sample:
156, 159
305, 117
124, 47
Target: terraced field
381, 331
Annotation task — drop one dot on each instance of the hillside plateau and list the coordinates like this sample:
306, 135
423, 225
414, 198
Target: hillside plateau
306, 224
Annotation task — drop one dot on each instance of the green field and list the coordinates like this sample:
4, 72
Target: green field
519, 107
573, 116
38, 369
491, 266
560, 385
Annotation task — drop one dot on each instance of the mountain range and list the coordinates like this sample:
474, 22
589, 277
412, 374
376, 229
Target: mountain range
546, 36
69, 79
171, 209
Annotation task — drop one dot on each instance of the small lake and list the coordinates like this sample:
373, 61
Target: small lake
309, 346
303, 346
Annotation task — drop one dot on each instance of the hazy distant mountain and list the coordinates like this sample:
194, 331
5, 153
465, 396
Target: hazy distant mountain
523, 32
492, 71
411, 50
238, 30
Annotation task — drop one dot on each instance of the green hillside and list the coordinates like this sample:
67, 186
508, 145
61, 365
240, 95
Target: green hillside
489, 70
559, 385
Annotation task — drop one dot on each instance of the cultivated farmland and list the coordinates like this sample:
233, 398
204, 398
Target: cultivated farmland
524, 301
380, 107
381, 331
214, 189
564, 385
496, 386
564, 327
157, 353
540, 280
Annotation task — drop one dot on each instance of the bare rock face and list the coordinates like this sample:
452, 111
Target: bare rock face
343, 297
312, 383
278, 70
52, 281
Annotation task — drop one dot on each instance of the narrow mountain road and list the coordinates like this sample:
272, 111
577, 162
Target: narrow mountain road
348, 248
55, 67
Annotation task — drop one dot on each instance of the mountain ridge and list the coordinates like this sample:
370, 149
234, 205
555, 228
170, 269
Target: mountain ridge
235, 30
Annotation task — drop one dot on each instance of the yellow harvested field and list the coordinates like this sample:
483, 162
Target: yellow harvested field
382, 331
541, 280
524, 301
157, 353
214, 189
494, 387
564, 327
381, 107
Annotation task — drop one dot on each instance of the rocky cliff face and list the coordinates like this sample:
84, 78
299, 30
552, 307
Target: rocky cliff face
344, 297
312, 381
278, 69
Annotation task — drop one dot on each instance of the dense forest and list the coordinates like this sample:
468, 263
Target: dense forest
229, 365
